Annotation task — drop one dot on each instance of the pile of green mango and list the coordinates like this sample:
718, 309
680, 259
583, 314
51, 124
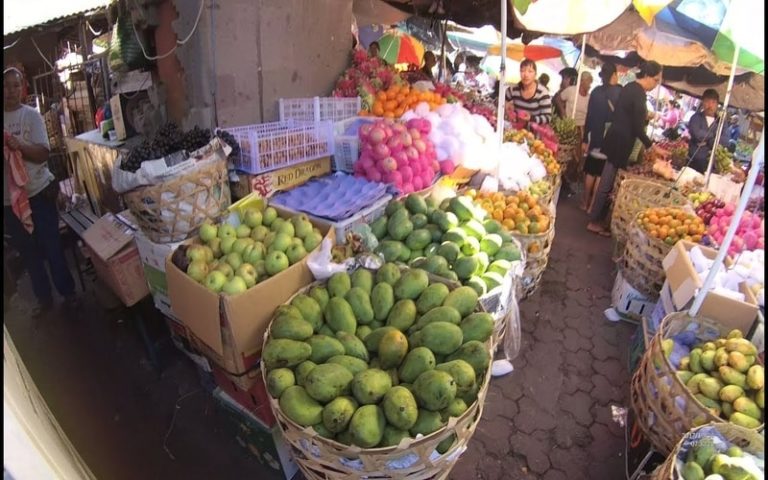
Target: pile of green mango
723, 376
454, 240
705, 462
374, 357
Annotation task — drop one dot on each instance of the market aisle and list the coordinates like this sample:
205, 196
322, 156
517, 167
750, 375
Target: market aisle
551, 418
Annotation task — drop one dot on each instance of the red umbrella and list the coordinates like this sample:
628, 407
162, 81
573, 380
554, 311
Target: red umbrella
518, 51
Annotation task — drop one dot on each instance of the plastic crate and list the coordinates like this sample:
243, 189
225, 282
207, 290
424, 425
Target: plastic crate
347, 147
318, 109
268, 146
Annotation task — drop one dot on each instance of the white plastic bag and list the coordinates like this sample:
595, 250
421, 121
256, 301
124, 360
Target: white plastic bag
320, 262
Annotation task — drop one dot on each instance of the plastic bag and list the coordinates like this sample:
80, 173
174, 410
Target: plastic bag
320, 262
513, 333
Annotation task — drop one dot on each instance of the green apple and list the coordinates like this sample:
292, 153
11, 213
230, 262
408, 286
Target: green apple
269, 239
196, 253
248, 273
234, 259
276, 223
295, 253
286, 228
227, 244
241, 243
281, 242
208, 231
259, 233
302, 228
226, 269
297, 241
243, 231
261, 270
312, 240
208, 253
247, 253
227, 231
215, 281
197, 270
215, 245
252, 217
234, 286
276, 262
258, 252
269, 216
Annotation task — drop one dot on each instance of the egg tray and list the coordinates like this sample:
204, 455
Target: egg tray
335, 197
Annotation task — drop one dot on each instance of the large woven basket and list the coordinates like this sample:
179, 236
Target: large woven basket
641, 262
565, 154
320, 458
634, 195
171, 211
748, 440
537, 249
664, 406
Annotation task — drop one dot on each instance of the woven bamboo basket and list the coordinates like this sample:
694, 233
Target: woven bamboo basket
748, 440
634, 195
536, 249
664, 406
171, 211
641, 262
565, 154
320, 458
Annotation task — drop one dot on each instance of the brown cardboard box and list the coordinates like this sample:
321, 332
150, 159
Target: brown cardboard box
269, 183
683, 282
116, 258
230, 328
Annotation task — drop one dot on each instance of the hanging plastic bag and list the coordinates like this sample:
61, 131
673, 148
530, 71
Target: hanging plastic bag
320, 262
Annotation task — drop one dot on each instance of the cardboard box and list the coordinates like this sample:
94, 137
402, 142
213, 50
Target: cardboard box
116, 258
265, 443
628, 301
180, 338
254, 398
280, 180
231, 329
683, 283
153, 257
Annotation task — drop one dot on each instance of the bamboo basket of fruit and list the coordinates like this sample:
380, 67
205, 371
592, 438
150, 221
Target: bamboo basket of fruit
695, 372
651, 236
635, 195
722, 449
368, 401
536, 248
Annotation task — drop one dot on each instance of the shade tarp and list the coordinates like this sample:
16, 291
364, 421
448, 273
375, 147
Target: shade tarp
377, 12
567, 17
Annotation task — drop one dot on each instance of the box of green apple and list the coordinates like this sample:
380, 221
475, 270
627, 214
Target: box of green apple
225, 283
455, 240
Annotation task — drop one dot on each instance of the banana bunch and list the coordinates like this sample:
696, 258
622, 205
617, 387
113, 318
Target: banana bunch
566, 130
723, 160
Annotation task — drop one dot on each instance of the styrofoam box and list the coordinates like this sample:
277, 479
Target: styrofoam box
367, 215
628, 301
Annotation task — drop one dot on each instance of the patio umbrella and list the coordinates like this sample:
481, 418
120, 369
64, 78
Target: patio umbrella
567, 17
519, 51
398, 47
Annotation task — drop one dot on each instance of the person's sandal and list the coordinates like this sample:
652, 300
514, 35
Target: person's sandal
602, 232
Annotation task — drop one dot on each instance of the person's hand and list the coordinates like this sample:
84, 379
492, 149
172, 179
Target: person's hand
13, 142
584, 151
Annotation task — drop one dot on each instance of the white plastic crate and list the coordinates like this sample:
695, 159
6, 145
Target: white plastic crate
347, 147
318, 109
268, 146
366, 215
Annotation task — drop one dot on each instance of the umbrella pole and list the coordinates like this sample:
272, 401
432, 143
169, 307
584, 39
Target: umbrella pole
442, 54
721, 123
758, 159
502, 78
580, 65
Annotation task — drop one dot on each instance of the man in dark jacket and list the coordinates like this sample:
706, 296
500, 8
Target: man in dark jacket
702, 127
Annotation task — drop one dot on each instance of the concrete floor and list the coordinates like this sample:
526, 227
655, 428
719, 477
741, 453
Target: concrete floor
549, 419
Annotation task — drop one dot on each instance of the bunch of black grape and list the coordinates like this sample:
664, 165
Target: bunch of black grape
231, 141
195, 138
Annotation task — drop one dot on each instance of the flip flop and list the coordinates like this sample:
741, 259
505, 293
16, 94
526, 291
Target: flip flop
602, 233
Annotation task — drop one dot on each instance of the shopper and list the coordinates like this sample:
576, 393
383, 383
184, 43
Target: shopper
702, 128
567, 79
373, 49
429, 62
529, 96
629, 123
37, 238
602, 103
544, 80
671, 116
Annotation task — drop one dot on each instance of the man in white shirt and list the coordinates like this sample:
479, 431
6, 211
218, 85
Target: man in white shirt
28, 136
569, 95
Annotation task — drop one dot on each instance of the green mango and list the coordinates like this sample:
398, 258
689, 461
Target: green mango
410, 284
390, 250
400, 408
454, 409
437, 314
387, 273
732, 376
360, 301
353, 364
433, 296
297, 405
382, 300
402, 315
474, 353
367, 426
477, 326
392, 436
323, 432
419, 221
372, 340
363, 279
434, 390
353, 346
363, 331
742, 420
290, 327
463, 299
379, 227
302, 370
462, 373
427, 422
730, 393
446, 444
747, 406
442, 337
338, 413
418, 239
327, 381
278, 380
695, 360
370, 386
416, 362
756, 377
310, 309
449, 251
710, 387
324, 347
415, 204
692, 471
282, 352
393, 206
393, 347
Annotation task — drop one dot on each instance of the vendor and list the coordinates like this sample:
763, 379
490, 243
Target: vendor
31, 218
373, 49
628, 124
529, 96
429, 63
702, 129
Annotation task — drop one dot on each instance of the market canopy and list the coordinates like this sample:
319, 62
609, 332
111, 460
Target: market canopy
19, 16
567, 17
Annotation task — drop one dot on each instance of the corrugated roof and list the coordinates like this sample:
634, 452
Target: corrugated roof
21, 14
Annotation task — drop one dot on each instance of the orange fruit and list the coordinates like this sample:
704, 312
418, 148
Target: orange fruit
508, 224
498, 215
509, 213
381, 95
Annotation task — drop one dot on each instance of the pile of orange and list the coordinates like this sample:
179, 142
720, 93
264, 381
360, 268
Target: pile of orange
536, 147
517, 213
671, 224
396, 100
